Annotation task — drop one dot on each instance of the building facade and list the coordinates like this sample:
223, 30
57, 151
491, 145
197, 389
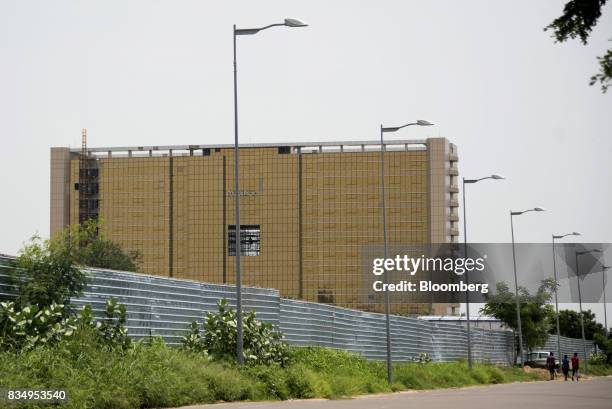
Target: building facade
310, 212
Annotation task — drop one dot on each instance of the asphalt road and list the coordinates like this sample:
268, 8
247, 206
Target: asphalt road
588, 394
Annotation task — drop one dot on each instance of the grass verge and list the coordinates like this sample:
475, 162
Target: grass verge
600, 370
156, 375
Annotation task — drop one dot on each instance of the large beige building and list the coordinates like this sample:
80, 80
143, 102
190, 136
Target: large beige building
309, 211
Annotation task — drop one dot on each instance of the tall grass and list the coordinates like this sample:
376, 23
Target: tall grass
155, 375
600, 369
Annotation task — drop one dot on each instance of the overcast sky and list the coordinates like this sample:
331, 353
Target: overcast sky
160, 72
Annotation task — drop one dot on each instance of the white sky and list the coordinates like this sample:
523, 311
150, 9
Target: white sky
160, 72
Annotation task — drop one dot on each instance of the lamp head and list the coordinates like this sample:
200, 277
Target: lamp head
539, 209
497, 176
422, 122
576, 233
293, 22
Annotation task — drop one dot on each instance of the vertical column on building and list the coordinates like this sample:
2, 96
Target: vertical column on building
59, 189
443, 191
171, 215
224, 220
300, 221
443, 177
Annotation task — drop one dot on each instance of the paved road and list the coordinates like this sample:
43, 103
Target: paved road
590, 394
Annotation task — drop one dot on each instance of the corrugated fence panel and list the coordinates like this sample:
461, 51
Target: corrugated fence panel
159, 306
569, 346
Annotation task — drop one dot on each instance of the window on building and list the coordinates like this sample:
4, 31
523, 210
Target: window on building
250, 240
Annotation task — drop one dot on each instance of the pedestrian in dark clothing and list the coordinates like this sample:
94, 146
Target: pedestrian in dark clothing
551, 364
575, 367
565, 365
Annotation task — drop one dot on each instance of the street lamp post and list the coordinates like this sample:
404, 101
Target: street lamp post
518, 304
584, 348
603, 278
467, 293
383, 130
289, 22
556, 285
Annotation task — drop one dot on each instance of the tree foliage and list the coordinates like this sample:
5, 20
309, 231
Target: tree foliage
93, 249
578, 20
49, 271
605, 344
569, 324
46, 273
536, 314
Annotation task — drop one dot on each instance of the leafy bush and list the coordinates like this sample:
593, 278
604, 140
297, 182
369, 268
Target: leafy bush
111, 328
192, 341
31, 326
262, 344
423, 358
599, 358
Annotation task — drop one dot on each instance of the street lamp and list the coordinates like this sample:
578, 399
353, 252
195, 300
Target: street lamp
586, 358
518, 304
289, 22
556, 285
467, 293
603, 278
383, 130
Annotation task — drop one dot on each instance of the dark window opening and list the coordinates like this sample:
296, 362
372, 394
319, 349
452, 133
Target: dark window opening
283, 150
206, 152
92, 205
217, 149
76, 186
250, 240
325, 296
88, 173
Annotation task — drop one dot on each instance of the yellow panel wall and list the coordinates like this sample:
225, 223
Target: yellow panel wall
340, 213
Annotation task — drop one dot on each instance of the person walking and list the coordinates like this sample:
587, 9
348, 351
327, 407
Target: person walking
575, 367
565, 365
551, 364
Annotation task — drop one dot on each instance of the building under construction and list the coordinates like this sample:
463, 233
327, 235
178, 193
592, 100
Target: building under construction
310, 212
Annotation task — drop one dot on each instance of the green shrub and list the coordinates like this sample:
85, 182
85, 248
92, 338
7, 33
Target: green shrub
599, 358
112, 327
273, 380
31, 326
262, 345
605, 344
